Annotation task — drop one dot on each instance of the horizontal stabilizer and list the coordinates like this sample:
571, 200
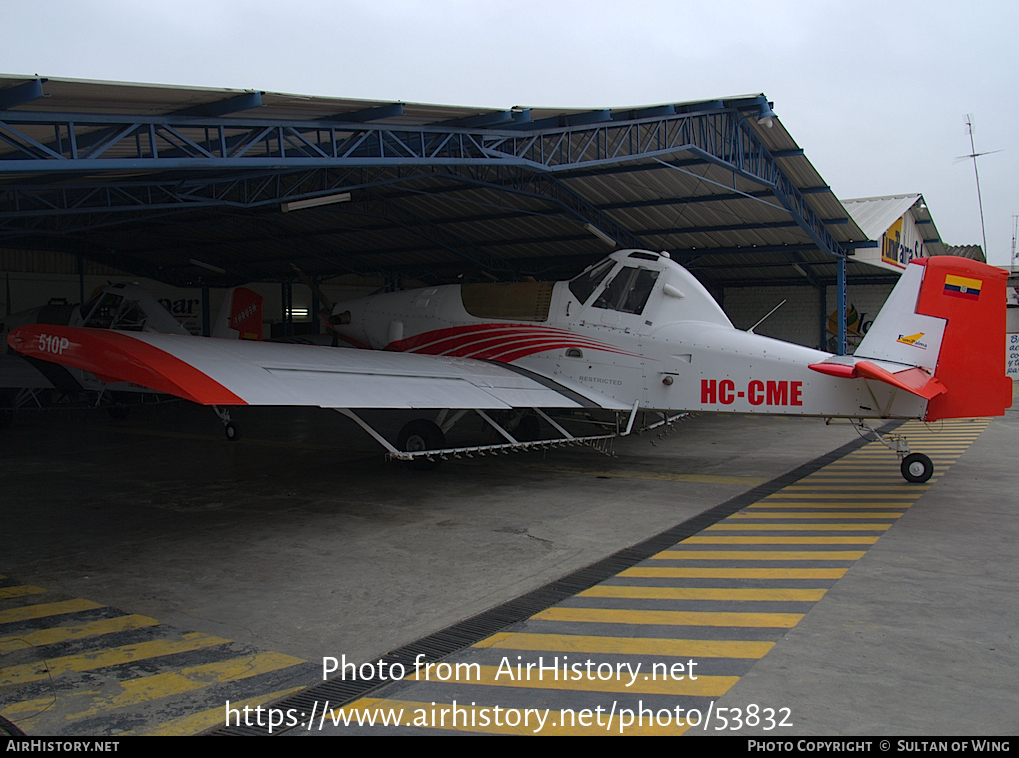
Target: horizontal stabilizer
914, 380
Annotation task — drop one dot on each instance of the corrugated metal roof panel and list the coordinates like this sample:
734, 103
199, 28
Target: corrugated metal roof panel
876, 214
730, 226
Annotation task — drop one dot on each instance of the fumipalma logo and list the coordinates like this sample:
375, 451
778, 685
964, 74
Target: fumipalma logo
912, 339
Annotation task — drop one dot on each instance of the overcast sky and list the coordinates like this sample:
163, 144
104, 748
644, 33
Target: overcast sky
875, 92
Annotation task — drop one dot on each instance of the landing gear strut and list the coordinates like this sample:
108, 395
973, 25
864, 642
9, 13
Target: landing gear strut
915, 467
231, 431
422, 443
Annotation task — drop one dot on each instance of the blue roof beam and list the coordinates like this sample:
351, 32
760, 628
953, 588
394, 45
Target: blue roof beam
590, 139
244, 102
656, 111
20, 94
365, 115
562, 122
800, 265
545, 186
377, 205
481, 120
704, 107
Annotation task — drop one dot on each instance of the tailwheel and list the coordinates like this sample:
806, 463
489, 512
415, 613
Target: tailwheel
421, 435
231, 432
916, 467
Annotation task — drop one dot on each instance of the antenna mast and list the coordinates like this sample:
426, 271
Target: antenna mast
974, 155
1015, 229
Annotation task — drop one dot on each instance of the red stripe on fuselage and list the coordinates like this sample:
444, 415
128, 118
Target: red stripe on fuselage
491, 341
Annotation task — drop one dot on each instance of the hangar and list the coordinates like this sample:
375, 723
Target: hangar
205, 188
201, 189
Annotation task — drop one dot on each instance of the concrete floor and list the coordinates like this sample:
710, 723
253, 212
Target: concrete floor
301, 539
921, 637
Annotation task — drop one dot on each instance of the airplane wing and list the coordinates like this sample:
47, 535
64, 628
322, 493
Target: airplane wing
229, 372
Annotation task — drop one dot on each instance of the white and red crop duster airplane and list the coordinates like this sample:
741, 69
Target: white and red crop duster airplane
634, 332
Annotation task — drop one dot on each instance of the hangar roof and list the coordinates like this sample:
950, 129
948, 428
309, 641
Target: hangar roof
191, 185
974, 252
876, 214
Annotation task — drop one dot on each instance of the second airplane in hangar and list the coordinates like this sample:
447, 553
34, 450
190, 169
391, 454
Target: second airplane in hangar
634, 332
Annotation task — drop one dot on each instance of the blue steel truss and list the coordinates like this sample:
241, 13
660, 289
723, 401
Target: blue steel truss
211, 160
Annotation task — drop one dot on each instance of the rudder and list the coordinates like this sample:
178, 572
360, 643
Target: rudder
971, 363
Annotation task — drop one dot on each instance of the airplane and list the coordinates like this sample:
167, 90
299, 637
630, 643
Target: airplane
124, 307
635, 332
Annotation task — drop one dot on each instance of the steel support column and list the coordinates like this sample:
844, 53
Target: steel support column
287, 298
842, 304
206, 315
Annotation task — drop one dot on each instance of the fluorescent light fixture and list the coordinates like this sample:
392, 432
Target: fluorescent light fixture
312, 202
298, 313
600, 234
209, 266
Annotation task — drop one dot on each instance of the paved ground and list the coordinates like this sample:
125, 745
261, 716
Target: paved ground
922, 634
300, 542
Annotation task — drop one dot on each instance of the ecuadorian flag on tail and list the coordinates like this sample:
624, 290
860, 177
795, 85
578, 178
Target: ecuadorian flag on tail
961, 286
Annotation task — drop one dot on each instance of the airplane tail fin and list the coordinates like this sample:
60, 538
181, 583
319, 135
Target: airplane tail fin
947, 315
241, 316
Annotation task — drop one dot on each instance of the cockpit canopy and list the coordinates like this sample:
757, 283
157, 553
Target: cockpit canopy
128, 307
626, 280
627, 291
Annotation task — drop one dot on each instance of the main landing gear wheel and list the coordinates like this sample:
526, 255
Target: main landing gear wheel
529, 429
917, 467
231, 432
421, 435
116, 404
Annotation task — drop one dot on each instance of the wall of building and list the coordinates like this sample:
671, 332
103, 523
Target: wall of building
31, 278
798, 320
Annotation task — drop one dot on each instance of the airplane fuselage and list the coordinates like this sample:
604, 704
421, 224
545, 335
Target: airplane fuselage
636, 328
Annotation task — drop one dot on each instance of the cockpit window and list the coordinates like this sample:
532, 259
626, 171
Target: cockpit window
102, 315
628, 291
584, 285
87, 308
130, 318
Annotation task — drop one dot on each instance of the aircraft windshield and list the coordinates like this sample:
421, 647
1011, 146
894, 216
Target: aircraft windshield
628, 291
130, 318
584, 285
115, 312
102, 315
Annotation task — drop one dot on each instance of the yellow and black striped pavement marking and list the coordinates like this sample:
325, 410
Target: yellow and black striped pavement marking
70, 666
711, 605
